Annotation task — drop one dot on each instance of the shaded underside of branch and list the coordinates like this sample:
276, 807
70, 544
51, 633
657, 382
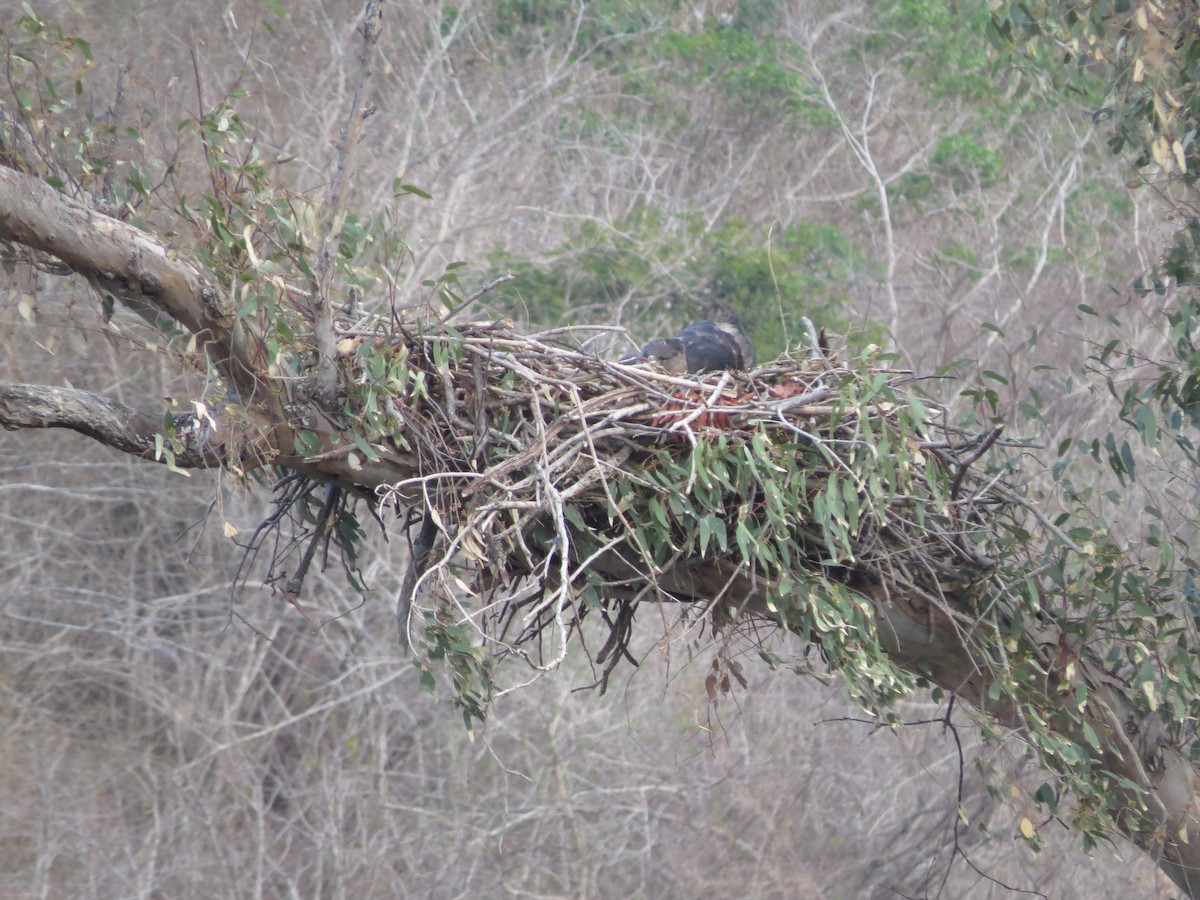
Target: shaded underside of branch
194, 442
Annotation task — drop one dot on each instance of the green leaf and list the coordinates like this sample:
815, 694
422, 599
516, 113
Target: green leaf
745, 539
1147, 425
307, 443
368, 451
411, 189
705, 530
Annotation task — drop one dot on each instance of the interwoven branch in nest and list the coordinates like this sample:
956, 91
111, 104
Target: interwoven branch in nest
561, 483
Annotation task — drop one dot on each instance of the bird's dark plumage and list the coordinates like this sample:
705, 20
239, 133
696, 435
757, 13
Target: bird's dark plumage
701, 347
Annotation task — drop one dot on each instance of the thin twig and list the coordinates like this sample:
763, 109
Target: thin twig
322, 309
419, 551
108, 155
483, 291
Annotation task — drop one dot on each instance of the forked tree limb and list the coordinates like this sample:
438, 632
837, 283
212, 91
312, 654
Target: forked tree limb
147, 275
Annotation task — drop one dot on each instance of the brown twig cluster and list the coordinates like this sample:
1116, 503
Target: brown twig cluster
529, 450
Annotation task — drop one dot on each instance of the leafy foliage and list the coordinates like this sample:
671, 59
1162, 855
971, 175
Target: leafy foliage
753, 71
770, 279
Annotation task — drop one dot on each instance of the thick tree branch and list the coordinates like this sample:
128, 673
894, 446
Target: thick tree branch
195, 442
132, 266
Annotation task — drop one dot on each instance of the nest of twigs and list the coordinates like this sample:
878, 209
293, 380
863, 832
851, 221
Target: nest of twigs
550, 484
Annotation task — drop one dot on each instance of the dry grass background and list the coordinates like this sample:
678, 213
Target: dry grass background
155, 746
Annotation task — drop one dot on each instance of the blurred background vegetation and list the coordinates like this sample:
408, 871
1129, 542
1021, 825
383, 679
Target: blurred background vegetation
866, 164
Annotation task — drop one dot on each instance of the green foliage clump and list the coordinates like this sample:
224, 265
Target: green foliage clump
756, 73
802, 269
1137, 59
793, 513
586, 278
964, 160
937, 43
767, 277
48, 73
604, 25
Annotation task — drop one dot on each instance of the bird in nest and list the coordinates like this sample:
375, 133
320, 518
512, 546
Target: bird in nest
701, 347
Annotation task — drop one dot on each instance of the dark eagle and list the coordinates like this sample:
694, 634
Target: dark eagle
701, 347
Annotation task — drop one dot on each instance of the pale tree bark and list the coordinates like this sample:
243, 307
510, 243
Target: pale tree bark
131, 265
325, 340
113, 424
143, 272
138, 268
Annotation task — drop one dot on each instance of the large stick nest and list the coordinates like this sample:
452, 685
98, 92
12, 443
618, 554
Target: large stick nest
551, 483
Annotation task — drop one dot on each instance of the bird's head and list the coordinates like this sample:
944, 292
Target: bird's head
668, 353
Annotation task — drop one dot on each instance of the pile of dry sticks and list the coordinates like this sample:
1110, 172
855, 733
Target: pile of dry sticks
525, 444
